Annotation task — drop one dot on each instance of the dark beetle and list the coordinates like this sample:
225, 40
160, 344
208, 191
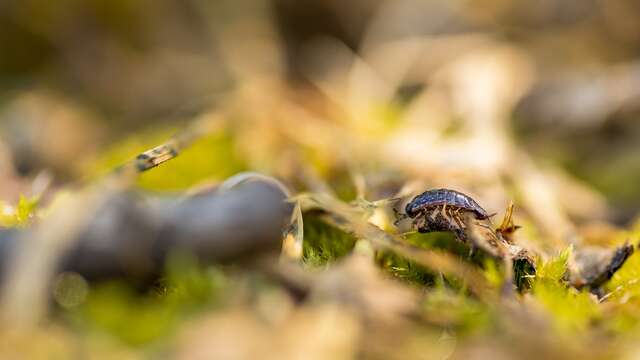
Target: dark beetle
438, 197
443, 210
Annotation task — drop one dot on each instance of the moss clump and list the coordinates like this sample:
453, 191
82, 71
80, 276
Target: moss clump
135, 318
324, 244
404, 269
572, 310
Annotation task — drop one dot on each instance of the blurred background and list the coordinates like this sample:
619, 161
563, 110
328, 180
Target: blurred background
535, 102
76, 76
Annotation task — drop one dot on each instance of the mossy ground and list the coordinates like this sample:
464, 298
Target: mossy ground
150, 319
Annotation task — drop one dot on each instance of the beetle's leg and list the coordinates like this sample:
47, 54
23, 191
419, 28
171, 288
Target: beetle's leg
491, 231
457, 225
433, 214
450, 212
417, 220
395, 211
443, 211
451, 218
463, 219
421, 224
455, 215
484, 225
458, 220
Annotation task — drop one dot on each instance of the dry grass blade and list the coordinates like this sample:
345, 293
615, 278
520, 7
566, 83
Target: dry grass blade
294, 236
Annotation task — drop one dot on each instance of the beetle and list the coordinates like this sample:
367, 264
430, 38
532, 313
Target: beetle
443, 210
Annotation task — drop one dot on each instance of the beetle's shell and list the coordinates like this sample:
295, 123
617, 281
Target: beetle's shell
437, 197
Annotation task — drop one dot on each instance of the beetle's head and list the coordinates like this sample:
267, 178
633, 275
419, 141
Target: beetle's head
412, 210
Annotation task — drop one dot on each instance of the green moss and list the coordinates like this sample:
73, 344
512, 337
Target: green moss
416, 274
626, 281
555, 268
624, 319
117, 309
465, 313
343, 186
324, 244
439, 240
492, 273
571, 311
404, 269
